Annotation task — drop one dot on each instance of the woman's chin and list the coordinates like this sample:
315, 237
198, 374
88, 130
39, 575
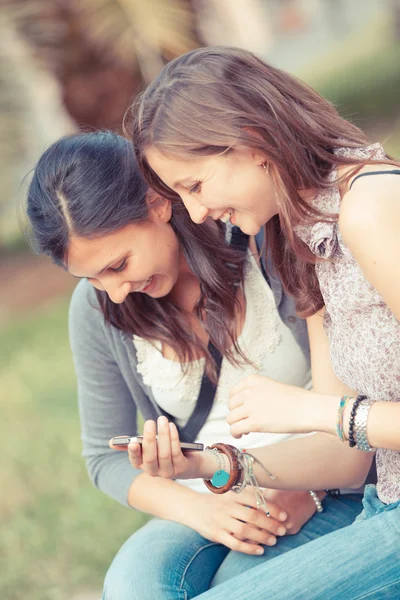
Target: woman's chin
161, 288
247, 227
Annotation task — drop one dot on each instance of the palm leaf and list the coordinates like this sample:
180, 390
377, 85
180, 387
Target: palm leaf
137, 32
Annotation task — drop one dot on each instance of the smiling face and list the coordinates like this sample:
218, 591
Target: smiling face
138, 258
235, 184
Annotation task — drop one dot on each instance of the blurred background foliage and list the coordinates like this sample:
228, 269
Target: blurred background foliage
68, 64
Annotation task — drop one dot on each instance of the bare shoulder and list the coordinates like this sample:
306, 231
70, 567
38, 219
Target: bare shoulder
372, 205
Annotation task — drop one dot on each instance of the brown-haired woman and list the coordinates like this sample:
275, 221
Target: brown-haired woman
238, 139
155, 289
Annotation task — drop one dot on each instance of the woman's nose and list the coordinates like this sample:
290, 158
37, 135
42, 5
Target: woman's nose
198, 213
117, 291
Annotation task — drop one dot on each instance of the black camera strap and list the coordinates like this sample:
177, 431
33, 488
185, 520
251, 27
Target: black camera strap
205, 400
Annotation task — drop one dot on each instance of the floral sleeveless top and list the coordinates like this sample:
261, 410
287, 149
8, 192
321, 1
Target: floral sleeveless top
364, 334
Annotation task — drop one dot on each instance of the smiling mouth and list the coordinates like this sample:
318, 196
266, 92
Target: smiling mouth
226, 216
145, 285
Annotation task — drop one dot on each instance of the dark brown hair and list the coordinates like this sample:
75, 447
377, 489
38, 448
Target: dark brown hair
89, 185
211, 100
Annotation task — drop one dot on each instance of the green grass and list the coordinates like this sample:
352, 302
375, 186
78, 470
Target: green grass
58, 533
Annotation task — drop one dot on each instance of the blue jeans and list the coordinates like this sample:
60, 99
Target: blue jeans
168, 561
358, 562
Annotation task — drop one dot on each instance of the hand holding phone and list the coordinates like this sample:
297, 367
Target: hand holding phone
121, 442
159, 453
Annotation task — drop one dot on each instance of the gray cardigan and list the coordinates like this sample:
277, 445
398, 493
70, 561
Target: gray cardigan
111, 391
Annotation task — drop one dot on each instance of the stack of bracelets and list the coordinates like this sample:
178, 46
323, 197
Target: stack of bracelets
357, 423
240, 474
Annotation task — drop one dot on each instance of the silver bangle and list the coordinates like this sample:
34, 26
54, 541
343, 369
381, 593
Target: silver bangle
220, 459
317, 501
360, 426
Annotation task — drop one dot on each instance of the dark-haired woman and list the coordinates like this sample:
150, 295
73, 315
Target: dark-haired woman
155, 290
238, 139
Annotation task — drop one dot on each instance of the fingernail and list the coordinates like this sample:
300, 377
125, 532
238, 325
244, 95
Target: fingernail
260, 551
271, 541
281, 531
162, 420
149, 426
282, 516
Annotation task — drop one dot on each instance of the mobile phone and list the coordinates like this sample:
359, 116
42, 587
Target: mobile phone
124, 440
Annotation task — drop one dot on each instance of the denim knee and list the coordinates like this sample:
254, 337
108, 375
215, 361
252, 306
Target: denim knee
154, 563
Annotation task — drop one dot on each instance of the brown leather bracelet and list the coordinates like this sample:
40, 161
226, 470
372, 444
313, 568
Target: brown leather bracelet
235, 469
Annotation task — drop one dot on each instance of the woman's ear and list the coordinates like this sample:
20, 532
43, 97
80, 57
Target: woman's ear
160, 207
260, 158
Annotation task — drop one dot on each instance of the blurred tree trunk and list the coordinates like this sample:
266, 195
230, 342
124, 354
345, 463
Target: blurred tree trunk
102, 51
31, 117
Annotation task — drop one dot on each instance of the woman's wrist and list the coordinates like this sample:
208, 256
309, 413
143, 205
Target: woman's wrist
207, 465
320, 413
191, 512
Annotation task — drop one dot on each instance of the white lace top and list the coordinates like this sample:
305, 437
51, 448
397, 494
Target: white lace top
265, 340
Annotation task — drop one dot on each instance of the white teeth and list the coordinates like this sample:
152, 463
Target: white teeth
226, 216
144, 285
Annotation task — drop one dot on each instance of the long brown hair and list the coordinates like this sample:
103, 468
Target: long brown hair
211, 100
89, 185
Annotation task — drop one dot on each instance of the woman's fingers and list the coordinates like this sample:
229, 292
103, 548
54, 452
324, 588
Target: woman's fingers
242, 427
277, 512
160, 450
237, 414
135, 455
231, 541
149, 448
164, 448
235, 399
259, 520
177, 454
252, 535
248, 498
243, 385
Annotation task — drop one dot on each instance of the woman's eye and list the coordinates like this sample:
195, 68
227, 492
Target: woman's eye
195, 188
120, 268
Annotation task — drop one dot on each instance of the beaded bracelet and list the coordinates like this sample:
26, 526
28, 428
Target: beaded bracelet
357, 401
333, 493
339, 423
317, 501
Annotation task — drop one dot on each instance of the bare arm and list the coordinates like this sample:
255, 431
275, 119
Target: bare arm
233, 520
325, 380
177, 500
370, 224
314, 462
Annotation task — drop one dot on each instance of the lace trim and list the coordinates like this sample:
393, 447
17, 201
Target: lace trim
260, 336
161, 374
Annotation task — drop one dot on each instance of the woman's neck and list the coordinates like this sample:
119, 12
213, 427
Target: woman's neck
186, 292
